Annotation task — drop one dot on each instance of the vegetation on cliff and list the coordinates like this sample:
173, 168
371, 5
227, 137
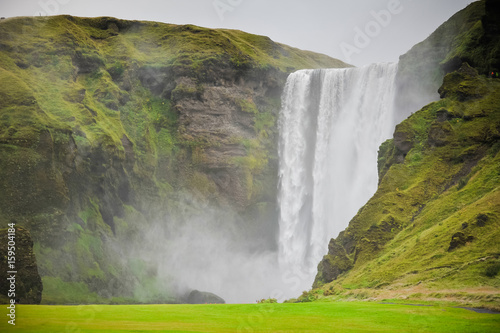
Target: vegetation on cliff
25, 286
472, 35
107, 125
433, 225
431, 230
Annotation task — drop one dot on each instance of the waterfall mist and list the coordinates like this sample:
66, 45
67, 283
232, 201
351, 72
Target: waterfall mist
200, 247
331, 125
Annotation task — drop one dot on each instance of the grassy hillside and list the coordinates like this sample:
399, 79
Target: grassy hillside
107, 125
434, 223
471, 35
431, 230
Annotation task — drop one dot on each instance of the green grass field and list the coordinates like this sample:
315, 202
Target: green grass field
302, 317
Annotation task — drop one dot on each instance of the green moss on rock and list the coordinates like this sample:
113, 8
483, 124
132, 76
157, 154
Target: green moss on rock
28, 284
439, 185
470, 36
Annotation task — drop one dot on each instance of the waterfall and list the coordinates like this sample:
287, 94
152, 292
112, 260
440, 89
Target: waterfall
331, 125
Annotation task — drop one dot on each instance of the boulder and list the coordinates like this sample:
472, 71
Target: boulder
458, 240
463, 84
203, 297
28, 284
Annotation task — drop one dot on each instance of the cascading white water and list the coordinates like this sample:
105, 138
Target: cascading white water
331, 125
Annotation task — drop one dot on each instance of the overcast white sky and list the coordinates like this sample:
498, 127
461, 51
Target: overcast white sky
356, 31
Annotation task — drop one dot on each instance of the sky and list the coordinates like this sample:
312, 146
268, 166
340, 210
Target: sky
359, 32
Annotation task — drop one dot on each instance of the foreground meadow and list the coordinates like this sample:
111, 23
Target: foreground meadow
302, 317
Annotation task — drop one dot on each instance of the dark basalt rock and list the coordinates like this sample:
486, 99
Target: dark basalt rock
86, 62
443, 115
333, 264
439, 134
463, 84
481, 220
458, 240
28, 284
203, 297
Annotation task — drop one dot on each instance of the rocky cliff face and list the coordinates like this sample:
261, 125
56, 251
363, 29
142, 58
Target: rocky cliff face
433, 222
27, 282
107, 125
439, 157
471, 35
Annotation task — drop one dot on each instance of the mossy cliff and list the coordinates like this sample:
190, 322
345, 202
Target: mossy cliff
107, 125
472, 35
431, 230
19, 253
434, 222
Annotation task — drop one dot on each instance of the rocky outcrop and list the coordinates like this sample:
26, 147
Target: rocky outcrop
463, 84
27, 282
333, 264
471, 36
203, 297
458, 240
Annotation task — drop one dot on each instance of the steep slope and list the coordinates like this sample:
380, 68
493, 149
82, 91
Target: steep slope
107, 125
471, 35
431, 230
